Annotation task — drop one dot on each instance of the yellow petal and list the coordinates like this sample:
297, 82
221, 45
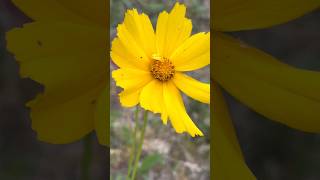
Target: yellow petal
177, 112
39, 39
130, 98
152, 99
277, 91
235, 15
94, 11
135, 44
227, 161
192, 54
101, 121
65, 76
172, 30
193, 88
63, 122
131, 78
140, 28
64, 112
126, 57
265, 66
48, 10
133, 81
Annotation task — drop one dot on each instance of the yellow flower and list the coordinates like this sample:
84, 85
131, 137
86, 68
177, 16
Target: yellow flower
271, 88
64, 49
153, 65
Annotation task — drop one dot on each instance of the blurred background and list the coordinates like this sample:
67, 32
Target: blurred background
22, 156
166, 155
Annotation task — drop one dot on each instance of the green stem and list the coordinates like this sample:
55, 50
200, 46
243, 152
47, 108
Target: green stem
136, 121
136, 162
86, 157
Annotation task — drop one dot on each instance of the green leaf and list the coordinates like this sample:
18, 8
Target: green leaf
149, 162
119, 177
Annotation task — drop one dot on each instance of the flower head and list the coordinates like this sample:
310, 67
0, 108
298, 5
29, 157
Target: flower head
152, 65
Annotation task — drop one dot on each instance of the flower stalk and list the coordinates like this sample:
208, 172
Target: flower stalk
86, 157
134, 135
136, 153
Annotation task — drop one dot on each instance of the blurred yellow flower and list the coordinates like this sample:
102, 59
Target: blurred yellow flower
278, 91
153, 65
64, 49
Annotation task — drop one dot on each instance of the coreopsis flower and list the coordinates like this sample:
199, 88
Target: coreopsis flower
153, 65
64, 49
278, 91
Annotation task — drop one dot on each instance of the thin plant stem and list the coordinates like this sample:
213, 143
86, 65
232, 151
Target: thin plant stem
136, 162
134, 135
86, 157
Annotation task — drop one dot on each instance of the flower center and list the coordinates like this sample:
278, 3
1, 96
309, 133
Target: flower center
163, 70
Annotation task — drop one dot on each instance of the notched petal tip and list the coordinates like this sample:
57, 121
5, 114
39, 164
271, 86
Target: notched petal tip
179, 7
197, 132
194, 134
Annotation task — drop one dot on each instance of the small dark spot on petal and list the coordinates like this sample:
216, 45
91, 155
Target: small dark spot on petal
39, 43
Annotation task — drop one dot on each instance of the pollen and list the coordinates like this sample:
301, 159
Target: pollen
163, 70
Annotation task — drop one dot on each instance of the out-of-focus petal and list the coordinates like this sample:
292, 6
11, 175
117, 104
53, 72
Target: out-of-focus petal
95, 11
43, 39
65, 121
235, 15
101, 121
71, 72
275, 90
48, 10
227, 160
